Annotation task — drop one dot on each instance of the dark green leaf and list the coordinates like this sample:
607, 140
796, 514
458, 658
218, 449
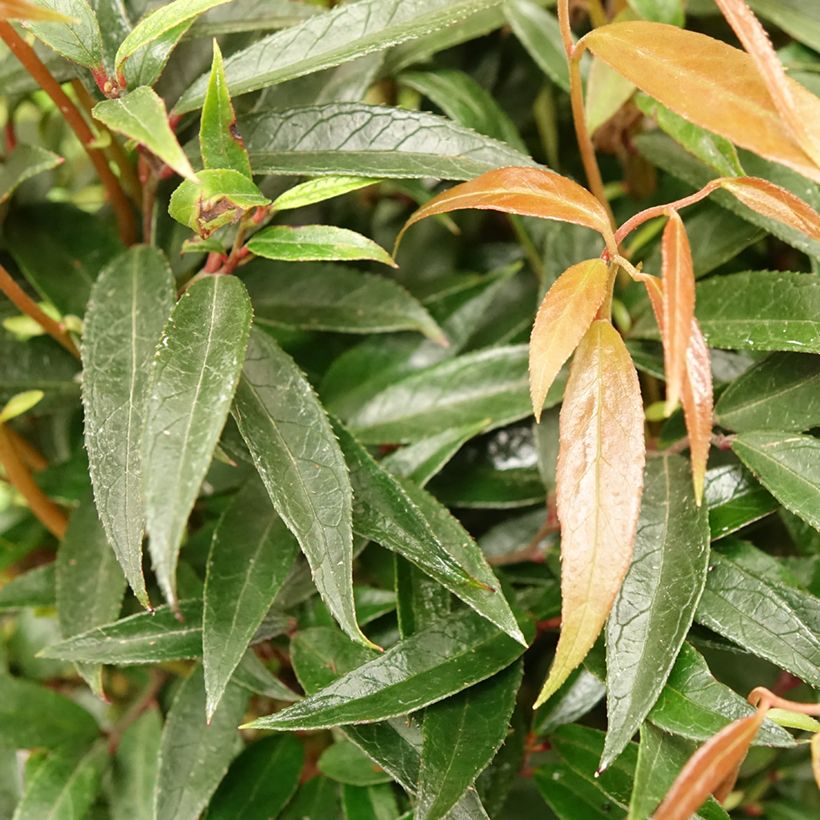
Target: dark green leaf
303, 469
734, 499
581, 693
78, 39
24, 162
345, 763
37, 364
252, 15
33, 588
251, 554
194, 375
317, 798
482, 487
369, 803
572, 797
539, 33
135, 769
655, 607
130, 303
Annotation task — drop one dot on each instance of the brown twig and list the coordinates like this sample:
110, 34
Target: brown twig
38, 70
23, 302
18, 475
31, 456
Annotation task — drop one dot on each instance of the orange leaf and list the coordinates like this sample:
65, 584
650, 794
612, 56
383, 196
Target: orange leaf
756, 42
599, 481
774, 202
697, 401
714, 765
710, 84
815, 758
524, 191
21, 10
563, 318
678, 305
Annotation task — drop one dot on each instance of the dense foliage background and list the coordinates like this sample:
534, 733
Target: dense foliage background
306, 407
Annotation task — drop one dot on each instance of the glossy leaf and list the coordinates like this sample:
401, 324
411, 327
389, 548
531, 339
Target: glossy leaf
76, 37
24, 162
563, 318
369, 802
405, 518
599, 482
580, 693
194, 755
710, 83
656, 604
251, 554
367, 140
193, 378
538, 31
318, 190
734, 500
443, 659
141, 116
130, 303
788, 466
334, 298
302, 467
316, 243
329, 39
461, 736
135, 768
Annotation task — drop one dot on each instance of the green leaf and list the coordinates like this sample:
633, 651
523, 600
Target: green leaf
135, 768
32, 715
780, 392
65, 784
404, 518
301, 465
334, 298
165, 19
345, 763
772, 621
192, 383
130, 303
251, 555
24, 162
479, 486
488, 385
572, 797
78, 39
319, 797
33, 588
316, 243
761, 310
254, 676
37, 364
655, 607
461, 736
327, 40
89, 582
444, 659
148, 637
368, 140
318, 190
540, 35
260, 781
141, 116
19, 404
734, 500
578, 695
660, 11
252, 15
195, 754
799, 19
464, 100
220, 144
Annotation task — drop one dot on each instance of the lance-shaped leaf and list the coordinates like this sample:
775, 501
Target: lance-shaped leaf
24, 162
316, 243
89, 582
562, 320
678, 306
76, 36
599, 482
165, 19
318, 190
539, 33
251, 554
134, 772
33, 588
195, 372
140, 115
130, 303
717, 761
524, 191
220, 143
656, 604
709, 83
327, 40
447, 657
788, 466
302, 467
734, 500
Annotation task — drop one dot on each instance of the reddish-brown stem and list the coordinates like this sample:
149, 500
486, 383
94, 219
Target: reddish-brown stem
18, 475
23, 302
31, 456
761, 695
38, 70
149, 183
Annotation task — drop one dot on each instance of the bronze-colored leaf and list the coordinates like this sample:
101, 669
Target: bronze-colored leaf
563, 318
698, 405
21, 10
710, 84
599, 481
815, 758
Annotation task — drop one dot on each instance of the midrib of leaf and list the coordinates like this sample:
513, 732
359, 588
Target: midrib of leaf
773, 394
56, 812
782, 465
454, 749
130, 449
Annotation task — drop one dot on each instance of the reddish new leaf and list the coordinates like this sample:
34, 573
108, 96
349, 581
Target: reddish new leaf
678, 305
22, 10
524, 191
712, 768
599, 481
563, 318
710, 84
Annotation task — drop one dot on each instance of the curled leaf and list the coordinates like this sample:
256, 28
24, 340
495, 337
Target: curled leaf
599, 482
563, 318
